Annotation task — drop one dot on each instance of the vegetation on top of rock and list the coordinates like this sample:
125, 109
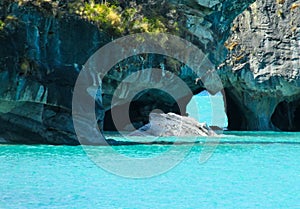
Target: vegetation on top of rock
107, 15
114, 16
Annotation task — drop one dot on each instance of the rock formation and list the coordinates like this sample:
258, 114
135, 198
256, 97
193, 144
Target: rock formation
43, 48
263, 67
172, 124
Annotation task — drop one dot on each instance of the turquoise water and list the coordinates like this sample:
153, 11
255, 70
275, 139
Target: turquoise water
258, 174
207, 108
243, 170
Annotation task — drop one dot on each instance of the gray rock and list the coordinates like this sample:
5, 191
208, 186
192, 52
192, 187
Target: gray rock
262, 73
41, 55
172, 124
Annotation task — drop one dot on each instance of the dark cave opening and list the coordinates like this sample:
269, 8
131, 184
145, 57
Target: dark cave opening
281, 117
236, 118
296, 120
154, 99
140, 108
286, 116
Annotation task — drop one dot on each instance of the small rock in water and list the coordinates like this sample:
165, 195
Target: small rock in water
172, 124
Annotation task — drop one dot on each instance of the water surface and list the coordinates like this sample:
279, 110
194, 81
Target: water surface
238, 175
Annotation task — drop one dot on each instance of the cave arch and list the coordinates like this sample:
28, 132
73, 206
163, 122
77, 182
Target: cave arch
210, 109
142, 105
286, 116
147, 101
236, 119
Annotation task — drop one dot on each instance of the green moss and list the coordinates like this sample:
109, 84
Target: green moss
119, 18
104, 15
122, 21
2, 24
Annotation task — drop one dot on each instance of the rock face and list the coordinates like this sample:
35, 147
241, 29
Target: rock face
204, 23
43, 50
173, 125
263, 67
38, 68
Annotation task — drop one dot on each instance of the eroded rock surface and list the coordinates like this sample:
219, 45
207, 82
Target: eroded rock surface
42, 53
262, 76
43, 49
171, 124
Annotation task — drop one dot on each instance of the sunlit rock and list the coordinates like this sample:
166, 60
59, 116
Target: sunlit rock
173, 125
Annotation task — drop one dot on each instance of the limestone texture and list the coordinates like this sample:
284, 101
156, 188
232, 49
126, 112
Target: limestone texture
262, 69
253, 46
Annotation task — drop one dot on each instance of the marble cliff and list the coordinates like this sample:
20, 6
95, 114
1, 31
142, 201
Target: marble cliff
254, 47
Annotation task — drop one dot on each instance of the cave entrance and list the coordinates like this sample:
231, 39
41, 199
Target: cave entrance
204, 107
145, 102
208, 108
236, 117
296, 120
286, 116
